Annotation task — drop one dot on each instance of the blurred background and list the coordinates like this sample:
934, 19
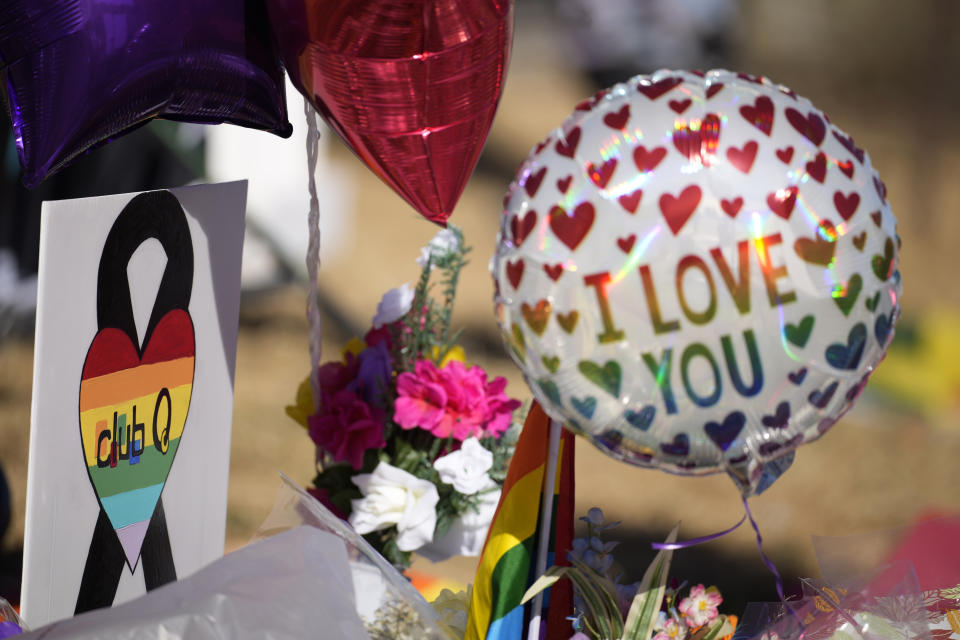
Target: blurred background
885, 71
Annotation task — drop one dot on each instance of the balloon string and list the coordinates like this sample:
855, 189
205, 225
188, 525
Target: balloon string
772, 567
313, 251
747, 515
683, 544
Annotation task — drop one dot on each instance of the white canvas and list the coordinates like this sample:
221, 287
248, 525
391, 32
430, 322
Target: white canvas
62, 496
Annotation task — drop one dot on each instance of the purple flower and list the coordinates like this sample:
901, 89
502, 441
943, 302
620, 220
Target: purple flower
373, 375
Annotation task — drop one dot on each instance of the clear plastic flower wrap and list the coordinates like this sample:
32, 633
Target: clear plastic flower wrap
388, 604
306, 574
884, 605
270, 589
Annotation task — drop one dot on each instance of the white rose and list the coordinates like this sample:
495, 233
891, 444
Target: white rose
443, 243
391, 496
393, 305
466, 469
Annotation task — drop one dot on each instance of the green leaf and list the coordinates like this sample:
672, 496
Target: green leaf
409, 459
719, 628
601, 608
387, 545
545, 581
646, 605
952, 593
344, 498
335, 476
444, 521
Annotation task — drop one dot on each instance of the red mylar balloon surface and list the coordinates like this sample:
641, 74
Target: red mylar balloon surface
410, 85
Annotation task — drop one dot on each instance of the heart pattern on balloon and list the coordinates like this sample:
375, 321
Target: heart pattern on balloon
798, 334
537, 316
847, 355
607, 377
779, 418
782, 201
724, 433
846, 297
760, 114
641, 419
742, 158
568, 321
810, 126
619, 118
820, 248
532, 184
731, 207
821, 398
680, 446
678, 209
648, 160
520, 228
631, 201
571, 228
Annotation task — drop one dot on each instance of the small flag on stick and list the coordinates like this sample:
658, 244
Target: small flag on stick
508, 565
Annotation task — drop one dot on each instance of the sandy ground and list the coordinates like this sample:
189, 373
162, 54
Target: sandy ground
884, 71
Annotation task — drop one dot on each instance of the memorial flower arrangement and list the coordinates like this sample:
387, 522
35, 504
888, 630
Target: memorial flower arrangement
412, 442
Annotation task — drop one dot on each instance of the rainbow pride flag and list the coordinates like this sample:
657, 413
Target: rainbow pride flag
508, 563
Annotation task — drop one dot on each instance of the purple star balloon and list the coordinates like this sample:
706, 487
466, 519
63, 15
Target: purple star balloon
78, 73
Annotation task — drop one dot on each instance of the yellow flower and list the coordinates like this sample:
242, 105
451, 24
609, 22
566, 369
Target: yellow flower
455, 353
304, 403
924, 375
452, 610
355, 346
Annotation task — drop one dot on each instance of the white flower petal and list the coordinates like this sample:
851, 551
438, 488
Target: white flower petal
393, 305
443, 243
391, 496
466, 469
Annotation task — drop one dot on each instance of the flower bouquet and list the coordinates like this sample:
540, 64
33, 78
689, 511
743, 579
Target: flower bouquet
412, 444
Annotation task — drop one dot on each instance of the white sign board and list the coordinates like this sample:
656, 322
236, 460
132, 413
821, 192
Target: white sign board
136, 338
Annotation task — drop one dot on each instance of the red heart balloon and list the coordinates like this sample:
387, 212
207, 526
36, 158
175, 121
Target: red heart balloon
410, 85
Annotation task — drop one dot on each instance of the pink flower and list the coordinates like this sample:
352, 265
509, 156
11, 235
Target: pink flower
378, 335
346, 427
700, 607
453, 402
672, 630
334, 376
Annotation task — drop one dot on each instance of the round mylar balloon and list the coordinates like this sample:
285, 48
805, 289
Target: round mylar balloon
698, 272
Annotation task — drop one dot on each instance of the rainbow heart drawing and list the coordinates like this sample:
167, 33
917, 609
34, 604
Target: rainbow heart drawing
133, 409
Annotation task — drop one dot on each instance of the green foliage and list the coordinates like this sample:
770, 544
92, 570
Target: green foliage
426, 329
599, 601
646, 604
720, 627
336, 479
